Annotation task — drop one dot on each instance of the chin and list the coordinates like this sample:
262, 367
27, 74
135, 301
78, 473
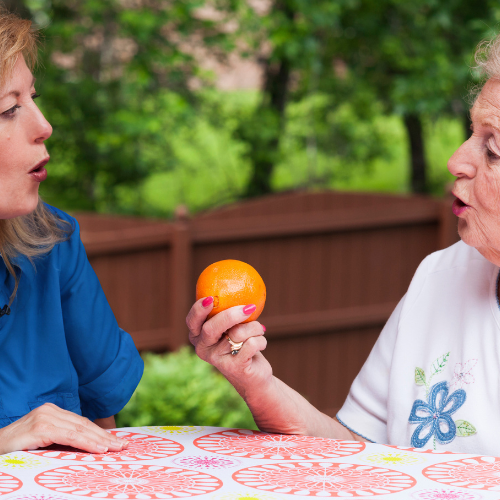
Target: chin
472, 238
19, 210
466, 235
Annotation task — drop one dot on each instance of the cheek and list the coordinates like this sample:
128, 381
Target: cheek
7, 150
18, 195
487, 192
8, 159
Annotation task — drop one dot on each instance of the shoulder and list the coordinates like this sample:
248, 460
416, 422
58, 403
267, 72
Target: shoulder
63, 217
453, 268
457, 256
69, 248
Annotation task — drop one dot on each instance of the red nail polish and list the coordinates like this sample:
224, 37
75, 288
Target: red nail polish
263, 327
249, 309
207, 301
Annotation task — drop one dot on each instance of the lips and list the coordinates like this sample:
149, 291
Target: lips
40, 165
459, 206
38, 172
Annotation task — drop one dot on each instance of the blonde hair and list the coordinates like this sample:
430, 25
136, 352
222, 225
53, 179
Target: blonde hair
17, 38
38, 232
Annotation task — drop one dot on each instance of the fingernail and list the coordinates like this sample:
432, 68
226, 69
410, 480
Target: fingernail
263, 327
207, 301
249, 309
102, 448
124, 444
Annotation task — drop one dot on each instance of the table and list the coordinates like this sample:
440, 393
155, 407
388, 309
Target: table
213, 463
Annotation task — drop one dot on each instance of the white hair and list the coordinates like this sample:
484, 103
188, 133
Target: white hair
487, 58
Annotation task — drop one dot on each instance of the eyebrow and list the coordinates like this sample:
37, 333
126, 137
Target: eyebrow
16, 93
489, 123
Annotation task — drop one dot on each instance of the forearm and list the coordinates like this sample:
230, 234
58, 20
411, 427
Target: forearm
276, 407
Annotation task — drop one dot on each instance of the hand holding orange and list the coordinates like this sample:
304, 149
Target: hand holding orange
232, 283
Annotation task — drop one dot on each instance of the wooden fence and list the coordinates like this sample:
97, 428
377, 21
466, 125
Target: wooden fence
335, 266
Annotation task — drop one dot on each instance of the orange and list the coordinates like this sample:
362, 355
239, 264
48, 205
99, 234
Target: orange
232, 283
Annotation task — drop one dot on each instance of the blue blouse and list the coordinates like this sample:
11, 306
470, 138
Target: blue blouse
61, 343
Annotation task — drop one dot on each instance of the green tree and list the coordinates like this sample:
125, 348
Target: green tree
108, 69
292, 29
413, 57
416, 56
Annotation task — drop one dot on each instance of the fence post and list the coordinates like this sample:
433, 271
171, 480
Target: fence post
448, 232
180, 282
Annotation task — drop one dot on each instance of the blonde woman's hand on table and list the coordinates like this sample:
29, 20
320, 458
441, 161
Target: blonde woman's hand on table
50, 424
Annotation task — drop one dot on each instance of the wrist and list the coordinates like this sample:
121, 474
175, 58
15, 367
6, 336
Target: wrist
251, 387
261, 394
273, 410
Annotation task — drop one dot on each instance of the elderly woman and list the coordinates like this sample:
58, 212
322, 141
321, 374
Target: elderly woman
64, 361
431, 380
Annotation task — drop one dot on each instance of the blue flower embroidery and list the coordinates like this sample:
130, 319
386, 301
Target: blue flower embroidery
434, 416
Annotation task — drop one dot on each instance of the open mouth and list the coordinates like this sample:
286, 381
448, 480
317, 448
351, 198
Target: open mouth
459, 206
39, 167
38, 173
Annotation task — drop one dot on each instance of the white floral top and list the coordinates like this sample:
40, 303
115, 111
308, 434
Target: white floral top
432, 379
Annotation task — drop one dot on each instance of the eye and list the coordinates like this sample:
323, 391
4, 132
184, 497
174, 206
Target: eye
491, 150
11, 111
35, 96
490, 153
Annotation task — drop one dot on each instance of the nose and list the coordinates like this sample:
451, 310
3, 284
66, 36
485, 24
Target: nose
42, 129
464, 160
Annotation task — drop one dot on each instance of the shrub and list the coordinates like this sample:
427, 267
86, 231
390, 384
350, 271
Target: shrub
180, 389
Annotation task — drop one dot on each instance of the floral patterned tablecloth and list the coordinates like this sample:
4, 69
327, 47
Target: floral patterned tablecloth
236, 464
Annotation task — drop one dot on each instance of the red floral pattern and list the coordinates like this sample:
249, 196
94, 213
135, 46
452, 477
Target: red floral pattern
478, 473
128, 481
260, 445
141, 447
324, 479
9, 484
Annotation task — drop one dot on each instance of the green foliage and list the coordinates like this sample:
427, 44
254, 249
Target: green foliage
195, 160
415, 55
209, 166
132, 135
290, 28
332, 141
181, 389
110, 69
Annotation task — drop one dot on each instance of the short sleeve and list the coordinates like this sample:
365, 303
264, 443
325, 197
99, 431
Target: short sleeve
108, 365
365, 409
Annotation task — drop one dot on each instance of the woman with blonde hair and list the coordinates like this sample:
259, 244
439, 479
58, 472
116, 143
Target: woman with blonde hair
66, 366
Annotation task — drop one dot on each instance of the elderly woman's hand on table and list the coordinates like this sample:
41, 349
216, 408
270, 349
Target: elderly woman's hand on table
50, 424
275, 406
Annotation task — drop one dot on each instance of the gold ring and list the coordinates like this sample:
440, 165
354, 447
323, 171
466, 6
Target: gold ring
235, 346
